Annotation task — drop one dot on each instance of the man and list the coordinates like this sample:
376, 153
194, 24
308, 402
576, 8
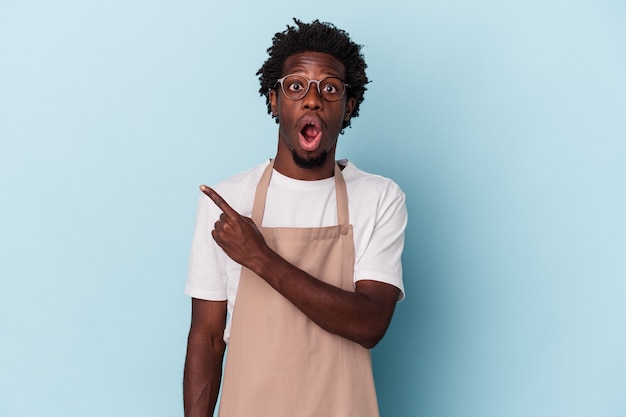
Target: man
310, 249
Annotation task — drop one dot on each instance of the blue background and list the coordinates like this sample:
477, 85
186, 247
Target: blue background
503, 121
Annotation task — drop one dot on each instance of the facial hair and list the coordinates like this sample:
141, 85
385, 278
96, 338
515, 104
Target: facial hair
309, 163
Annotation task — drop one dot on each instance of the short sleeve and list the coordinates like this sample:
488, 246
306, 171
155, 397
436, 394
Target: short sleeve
380, 256
207, 277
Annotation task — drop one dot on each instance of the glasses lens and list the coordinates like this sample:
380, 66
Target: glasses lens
295, 86
332, 89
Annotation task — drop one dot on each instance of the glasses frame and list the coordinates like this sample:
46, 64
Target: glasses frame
308, 87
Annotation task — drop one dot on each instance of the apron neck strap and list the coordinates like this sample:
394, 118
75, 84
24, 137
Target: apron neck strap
260, 195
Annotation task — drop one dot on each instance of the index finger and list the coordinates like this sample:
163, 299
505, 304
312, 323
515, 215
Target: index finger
218, 200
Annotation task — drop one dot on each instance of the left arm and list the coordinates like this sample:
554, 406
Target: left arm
362, 316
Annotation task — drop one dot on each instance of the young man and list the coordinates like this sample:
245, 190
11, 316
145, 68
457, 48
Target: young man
309, 247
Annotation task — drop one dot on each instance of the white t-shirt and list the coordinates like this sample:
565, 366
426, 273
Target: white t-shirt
376, 206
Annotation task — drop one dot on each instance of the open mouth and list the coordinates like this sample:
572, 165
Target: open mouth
310, 132
310, 135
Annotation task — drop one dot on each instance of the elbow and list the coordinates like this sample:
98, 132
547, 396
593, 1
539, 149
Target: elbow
372, 330
371, 338
206, 342
376, 305
369, 344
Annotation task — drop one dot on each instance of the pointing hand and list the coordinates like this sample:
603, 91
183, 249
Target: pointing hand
237, 235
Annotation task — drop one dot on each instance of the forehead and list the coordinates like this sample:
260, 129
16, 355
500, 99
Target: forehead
315, 64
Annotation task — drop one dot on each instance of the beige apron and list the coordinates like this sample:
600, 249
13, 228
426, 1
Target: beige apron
279, 363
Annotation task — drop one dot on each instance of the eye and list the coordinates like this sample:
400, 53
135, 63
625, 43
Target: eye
295, 86
330, 89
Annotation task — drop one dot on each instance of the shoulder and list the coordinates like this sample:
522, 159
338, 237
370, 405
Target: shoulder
367, 186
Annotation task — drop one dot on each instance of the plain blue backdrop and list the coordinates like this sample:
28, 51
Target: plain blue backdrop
503, 121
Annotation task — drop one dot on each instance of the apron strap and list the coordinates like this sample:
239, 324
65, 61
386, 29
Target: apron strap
258, 208
341, 192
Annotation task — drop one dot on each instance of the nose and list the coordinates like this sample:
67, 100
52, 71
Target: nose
313, 99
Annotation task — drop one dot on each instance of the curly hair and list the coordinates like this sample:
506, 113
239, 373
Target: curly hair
315, 37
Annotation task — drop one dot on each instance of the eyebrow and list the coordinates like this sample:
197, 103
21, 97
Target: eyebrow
300, 71
325, 77
298, 68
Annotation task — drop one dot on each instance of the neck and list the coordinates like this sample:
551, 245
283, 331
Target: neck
306, 174
286, 165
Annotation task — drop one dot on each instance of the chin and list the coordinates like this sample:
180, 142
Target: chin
309, 162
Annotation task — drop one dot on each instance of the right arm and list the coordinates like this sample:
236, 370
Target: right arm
205, 352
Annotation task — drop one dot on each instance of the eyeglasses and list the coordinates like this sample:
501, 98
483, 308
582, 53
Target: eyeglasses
296, 87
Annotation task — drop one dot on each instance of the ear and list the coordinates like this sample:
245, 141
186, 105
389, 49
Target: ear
273, 102
350, 103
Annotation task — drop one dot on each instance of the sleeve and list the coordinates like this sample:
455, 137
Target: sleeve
207, 262
381, 258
